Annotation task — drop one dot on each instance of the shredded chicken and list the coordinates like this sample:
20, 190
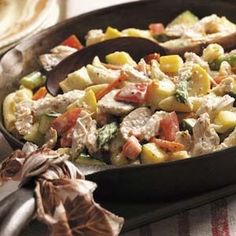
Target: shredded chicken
213, 104
205, 138
134, 122
27, 110
100, 75
151, 128
135, 75
194, 58
206, 29
184, 138
109, 105
84, 134
225, 69
156, 73
55, 56
94, 36
57, 104
209, 27
24, 117
225, 86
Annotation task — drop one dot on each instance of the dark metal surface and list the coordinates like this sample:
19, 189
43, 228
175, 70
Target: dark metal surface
16, 211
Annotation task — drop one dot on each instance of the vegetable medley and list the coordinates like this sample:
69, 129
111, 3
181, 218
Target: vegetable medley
158, 109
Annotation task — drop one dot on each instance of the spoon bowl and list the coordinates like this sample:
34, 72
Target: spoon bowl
136, 47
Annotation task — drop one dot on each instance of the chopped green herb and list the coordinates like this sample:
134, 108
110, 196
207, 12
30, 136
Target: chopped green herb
181, 94
231, 59
87, 159
162, 38
106, 133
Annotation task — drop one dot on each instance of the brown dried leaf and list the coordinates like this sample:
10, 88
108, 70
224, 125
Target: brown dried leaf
80, 215
11, 167
64, 198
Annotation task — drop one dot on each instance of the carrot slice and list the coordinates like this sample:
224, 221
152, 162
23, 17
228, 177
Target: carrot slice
132, 148
40, 93
110, 66
111, 86
66, 120
170, 146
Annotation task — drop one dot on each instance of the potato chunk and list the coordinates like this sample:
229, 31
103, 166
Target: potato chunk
170, 64
152, 154
226, 119
120, 58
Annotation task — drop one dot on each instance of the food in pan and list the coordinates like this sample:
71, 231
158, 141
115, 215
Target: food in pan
185, 31
159, 109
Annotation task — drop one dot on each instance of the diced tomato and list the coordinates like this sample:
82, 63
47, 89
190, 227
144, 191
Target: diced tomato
65, 121
66, 139
132, 148
169, 125
134, 93
152, 56
40, 93
111, 86
73, 42
169, 146
156, 28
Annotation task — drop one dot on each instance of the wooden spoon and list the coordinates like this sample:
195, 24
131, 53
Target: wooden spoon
136, 47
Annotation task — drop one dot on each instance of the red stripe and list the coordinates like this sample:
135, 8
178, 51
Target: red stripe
219, 218
183, 224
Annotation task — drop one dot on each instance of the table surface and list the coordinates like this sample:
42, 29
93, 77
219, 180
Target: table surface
217, 218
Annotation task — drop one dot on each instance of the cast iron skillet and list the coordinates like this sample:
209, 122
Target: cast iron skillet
157, 181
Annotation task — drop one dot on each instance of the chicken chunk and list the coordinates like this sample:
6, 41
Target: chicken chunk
194, 58
55, 56
184, 138
151, 128
84, 134
135, 75
110, 105
100, 75
205, 138
134, 122
27, 110
225, 86
94, 36
213, 104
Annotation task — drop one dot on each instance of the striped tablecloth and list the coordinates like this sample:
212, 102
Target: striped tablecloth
215, 219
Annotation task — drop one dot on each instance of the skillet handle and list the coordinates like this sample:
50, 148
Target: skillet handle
16, 211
